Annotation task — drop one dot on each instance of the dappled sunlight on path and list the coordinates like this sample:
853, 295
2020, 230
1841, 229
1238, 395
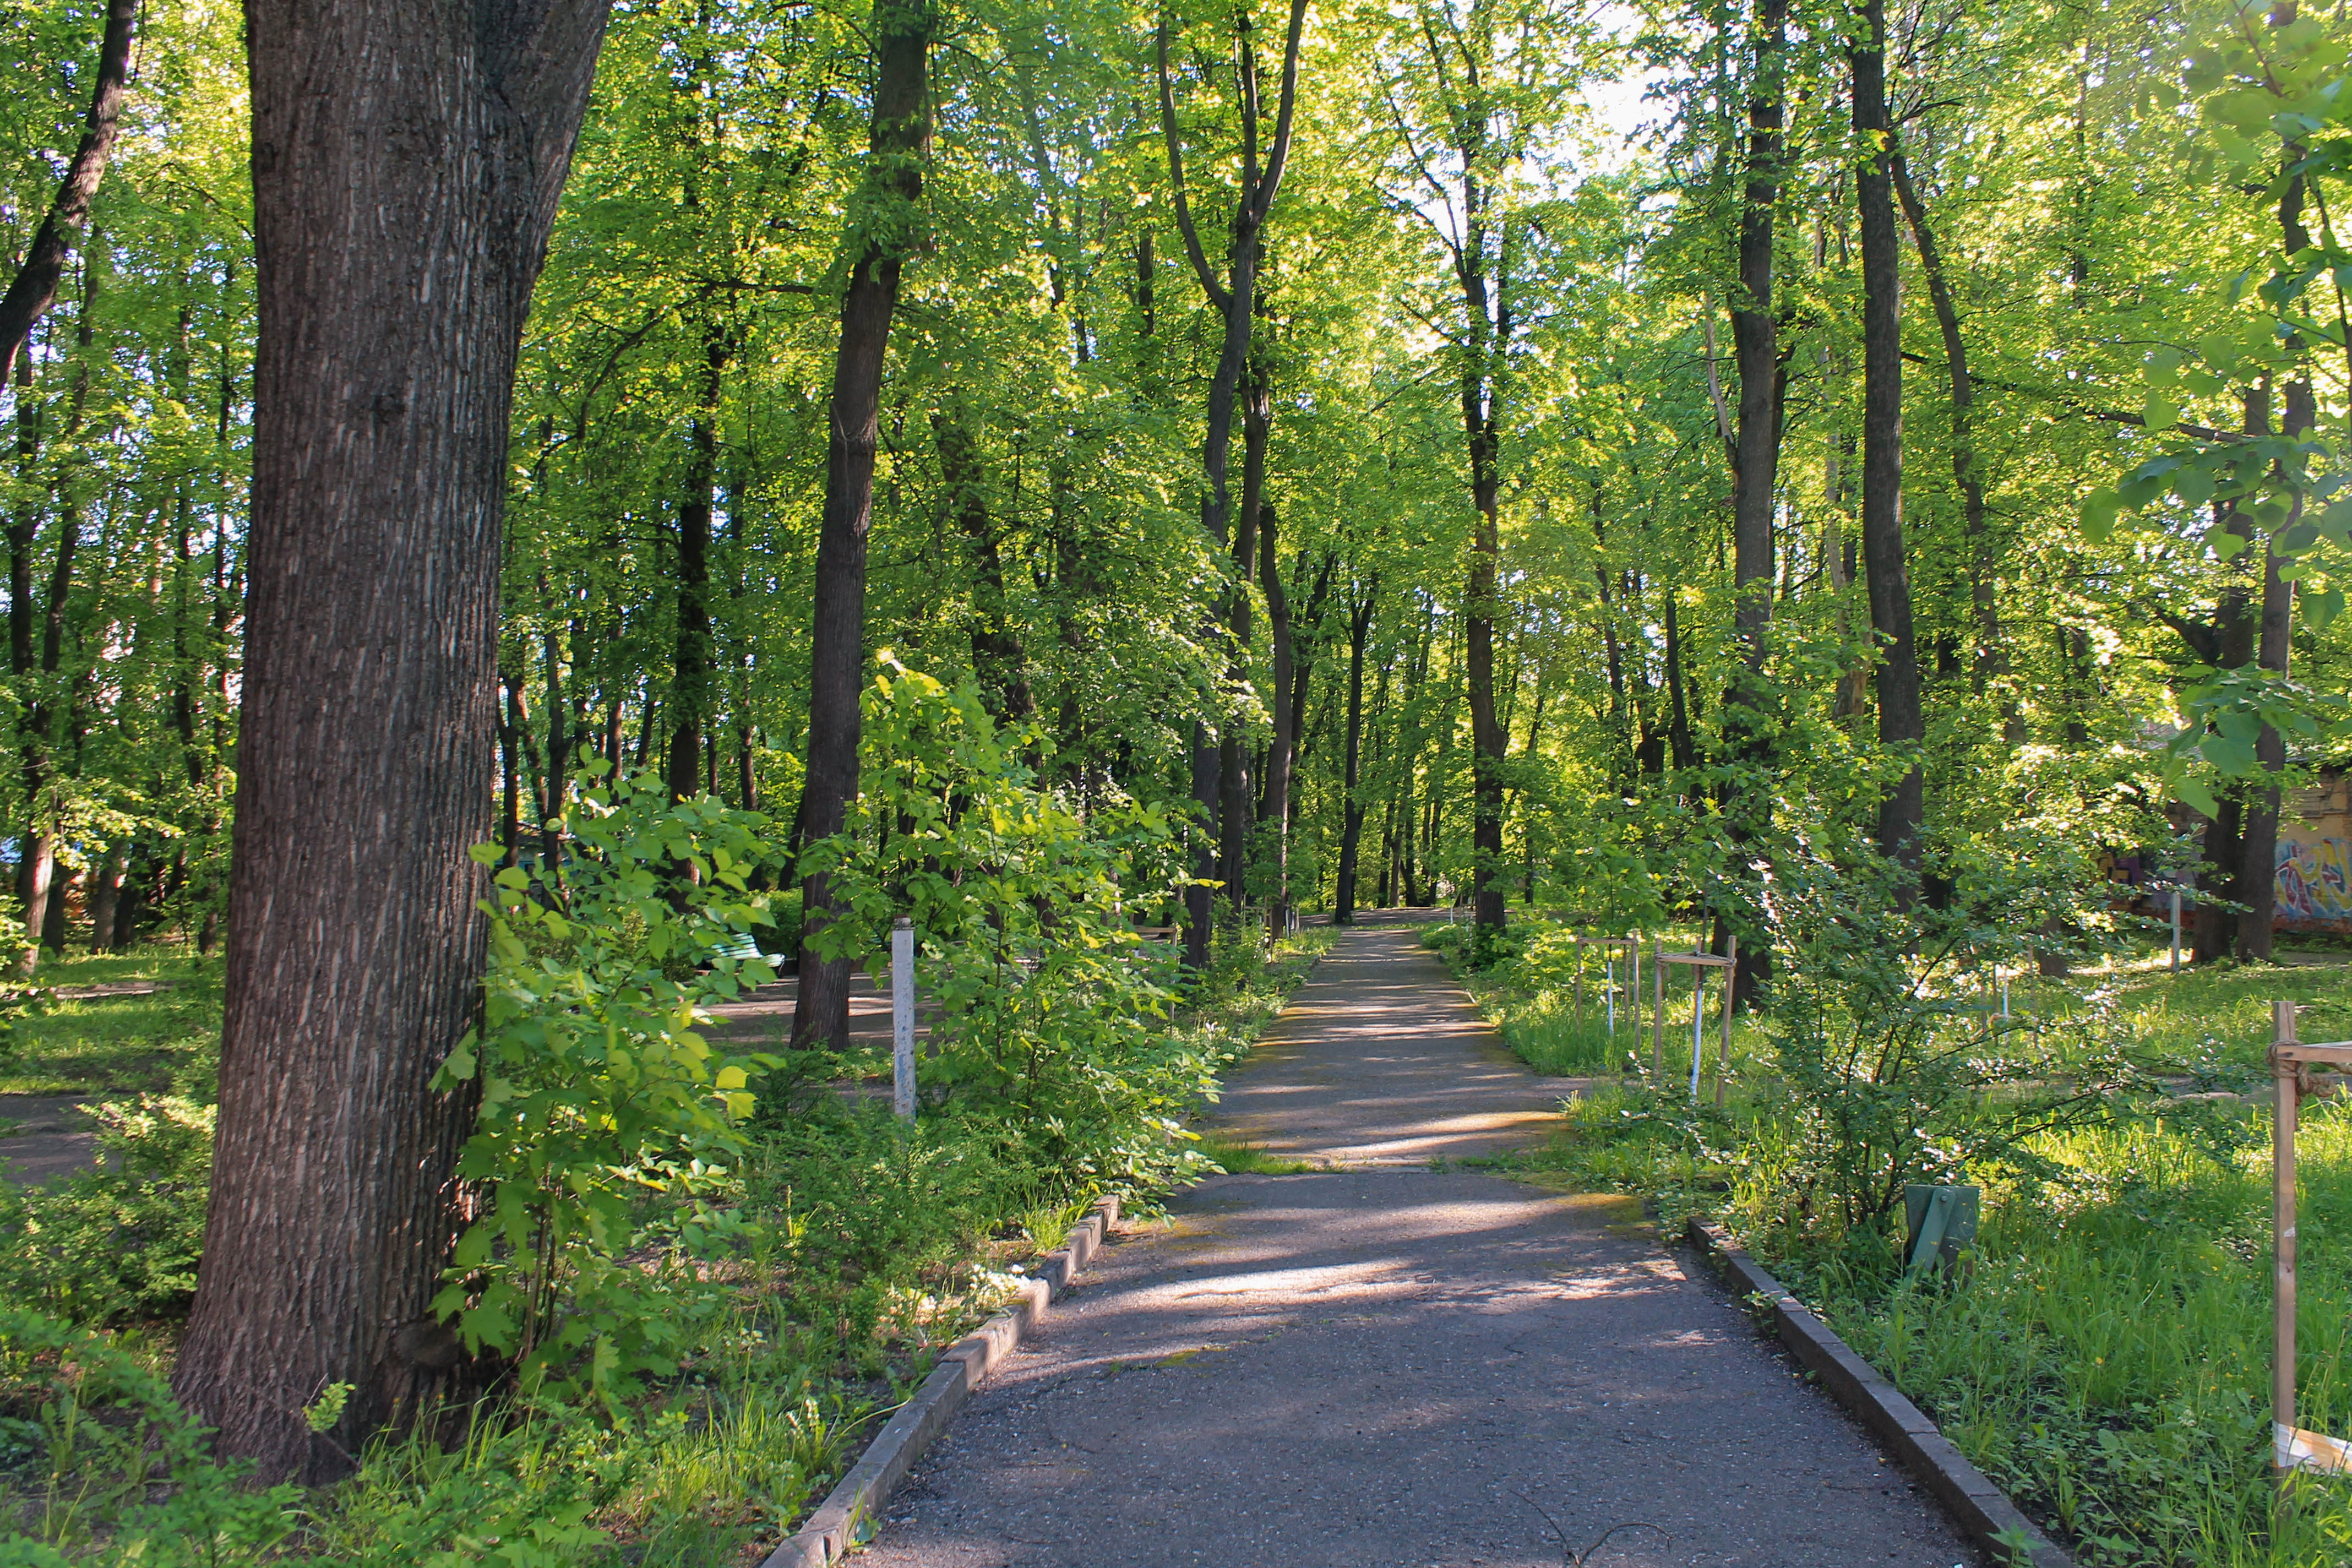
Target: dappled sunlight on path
1380, 1366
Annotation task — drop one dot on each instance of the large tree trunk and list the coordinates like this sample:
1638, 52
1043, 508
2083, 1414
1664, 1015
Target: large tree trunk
900, 141
1902, 726
1481, 609
407, 159
1234, 757
2257, 881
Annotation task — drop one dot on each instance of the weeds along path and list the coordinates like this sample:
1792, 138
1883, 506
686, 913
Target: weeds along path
1381, 1366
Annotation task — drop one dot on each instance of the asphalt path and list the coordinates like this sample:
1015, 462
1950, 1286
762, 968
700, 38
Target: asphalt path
1389, 1363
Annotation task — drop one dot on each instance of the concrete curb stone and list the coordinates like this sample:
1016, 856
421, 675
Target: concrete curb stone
1982, 1511
846, 1519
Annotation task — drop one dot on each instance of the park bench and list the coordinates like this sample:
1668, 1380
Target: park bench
740, 947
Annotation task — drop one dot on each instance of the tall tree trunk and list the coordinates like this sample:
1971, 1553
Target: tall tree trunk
1763, 381
1281, 751
1352, 831
691, 703
1990, 666
406, 163
35, 288
900, 143
1902, 726
1234, 757
1234, 298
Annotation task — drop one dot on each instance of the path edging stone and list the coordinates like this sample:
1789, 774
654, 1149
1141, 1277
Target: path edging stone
1981, 1510
846, 1519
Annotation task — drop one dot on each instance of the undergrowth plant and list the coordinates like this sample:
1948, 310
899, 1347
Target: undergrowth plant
1049, 1014
608, 1123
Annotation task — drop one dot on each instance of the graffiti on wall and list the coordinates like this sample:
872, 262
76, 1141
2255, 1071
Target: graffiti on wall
2315, 880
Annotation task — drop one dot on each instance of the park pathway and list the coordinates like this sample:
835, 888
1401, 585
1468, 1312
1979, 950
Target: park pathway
1387, 1365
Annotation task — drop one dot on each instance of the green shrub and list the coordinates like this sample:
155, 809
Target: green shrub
1049, 1014
99, 1467
118, 1242
608, 1124
859, 1194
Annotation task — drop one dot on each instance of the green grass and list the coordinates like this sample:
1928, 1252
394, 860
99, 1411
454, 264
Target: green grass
117, 1045
2217, 1015
2107, 1360
2106, 1357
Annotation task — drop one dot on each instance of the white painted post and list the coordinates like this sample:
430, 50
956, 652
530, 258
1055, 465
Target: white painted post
902, 1017
2176, 927
1611, 971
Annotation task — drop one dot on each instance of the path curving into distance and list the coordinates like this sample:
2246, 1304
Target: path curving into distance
1385, 1365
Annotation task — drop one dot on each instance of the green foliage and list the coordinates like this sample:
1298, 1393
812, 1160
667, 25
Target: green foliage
1891, 1063
117, 1243
99, 1468
607, 1122
858, 1205
1049, 1014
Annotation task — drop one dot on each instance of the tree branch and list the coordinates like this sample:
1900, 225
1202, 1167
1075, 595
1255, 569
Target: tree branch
1218, 296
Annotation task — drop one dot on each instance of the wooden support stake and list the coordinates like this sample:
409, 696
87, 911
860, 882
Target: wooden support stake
2284, 1074
1730, 990
1658, 1010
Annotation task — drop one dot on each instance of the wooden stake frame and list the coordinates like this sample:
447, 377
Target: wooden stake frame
1700, 962
2292, 1447
1633, 946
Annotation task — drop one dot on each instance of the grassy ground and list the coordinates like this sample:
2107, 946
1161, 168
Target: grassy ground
2106, 1356
116, 1044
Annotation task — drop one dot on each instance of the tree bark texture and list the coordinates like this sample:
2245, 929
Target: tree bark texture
1902, 727
407, 160
899, 142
